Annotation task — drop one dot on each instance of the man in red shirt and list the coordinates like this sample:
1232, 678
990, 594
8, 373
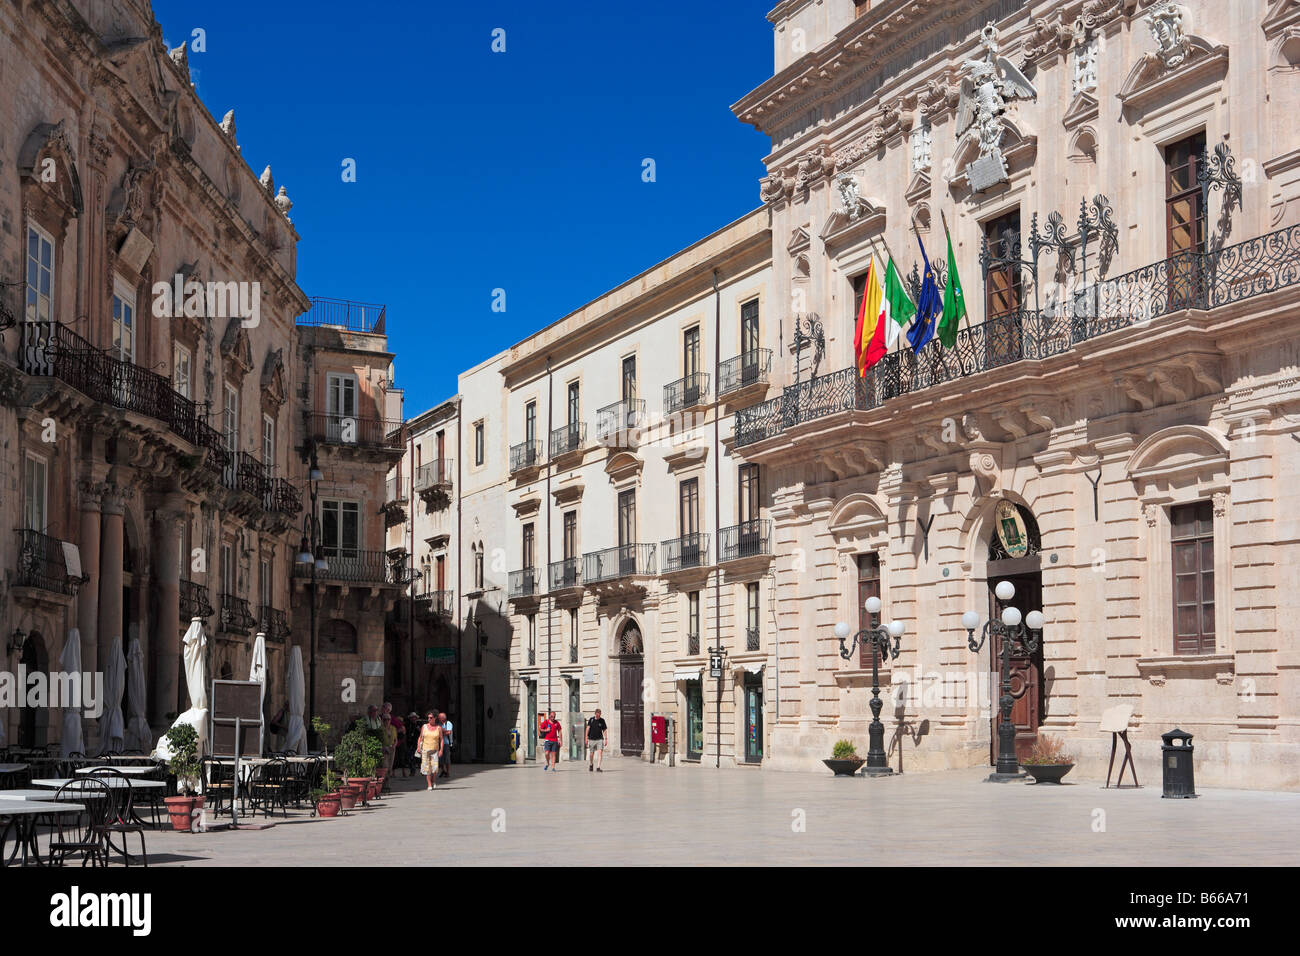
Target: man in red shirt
552, 737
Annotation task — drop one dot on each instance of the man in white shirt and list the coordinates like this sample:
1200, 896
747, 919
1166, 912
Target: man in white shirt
449, 738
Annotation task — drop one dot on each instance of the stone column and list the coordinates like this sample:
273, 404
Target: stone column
88, 594
167, 637
110, 572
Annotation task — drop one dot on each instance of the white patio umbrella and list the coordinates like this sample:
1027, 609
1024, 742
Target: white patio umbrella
111, 726
295, 735
196, 675
137, 736
257, 671
70, 663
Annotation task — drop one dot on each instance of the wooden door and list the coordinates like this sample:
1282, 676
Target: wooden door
1026, 669
1002, 336
631, 671
1184, 222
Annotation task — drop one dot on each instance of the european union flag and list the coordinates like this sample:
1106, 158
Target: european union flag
929, 305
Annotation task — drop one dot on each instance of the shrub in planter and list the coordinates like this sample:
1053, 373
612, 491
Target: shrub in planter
844, 761
184, 764
326, 797
1049, 761
358, 755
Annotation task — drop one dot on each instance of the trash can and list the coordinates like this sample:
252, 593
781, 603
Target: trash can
514, 745
1176, 760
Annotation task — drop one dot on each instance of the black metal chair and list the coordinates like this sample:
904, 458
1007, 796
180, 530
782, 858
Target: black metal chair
82, 833
218, 783
270, 786
121, 818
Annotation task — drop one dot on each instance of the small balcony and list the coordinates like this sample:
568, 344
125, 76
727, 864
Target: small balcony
749, 539
688, 551
568, 439
354, 566
283, 498
525, 456
522, 584
565, 574
751, 639
433, 606
614, 564
367, 317
686, 392
433, 482
273, 623
747, 370
251, 476
194, 603
42, 564
357, 431
235, 615
395, 501
616, 424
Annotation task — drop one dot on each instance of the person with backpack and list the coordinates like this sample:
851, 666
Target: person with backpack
597, 732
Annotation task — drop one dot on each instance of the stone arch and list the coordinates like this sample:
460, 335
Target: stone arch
621, 622
33, 722
1285, 53
1083, 145
60, 193
977, 529
858, 513
1176, 454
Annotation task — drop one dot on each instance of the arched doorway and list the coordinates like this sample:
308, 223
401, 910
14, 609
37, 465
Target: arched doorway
1014, 553
631, 678
33, 722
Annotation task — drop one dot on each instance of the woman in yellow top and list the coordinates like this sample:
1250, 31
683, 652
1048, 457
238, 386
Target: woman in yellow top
429, 749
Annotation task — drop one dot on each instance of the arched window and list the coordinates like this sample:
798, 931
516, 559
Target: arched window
339, 637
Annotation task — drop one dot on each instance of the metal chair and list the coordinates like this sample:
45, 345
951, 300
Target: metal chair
121, 818
270, 786
84, 832
218, 783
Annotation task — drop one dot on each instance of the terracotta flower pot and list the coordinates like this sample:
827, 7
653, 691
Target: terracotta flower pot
1047, 772
363, 788
328, 805
181, 811
348, 797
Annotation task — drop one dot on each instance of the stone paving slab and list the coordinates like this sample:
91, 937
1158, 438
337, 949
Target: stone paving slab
638, 814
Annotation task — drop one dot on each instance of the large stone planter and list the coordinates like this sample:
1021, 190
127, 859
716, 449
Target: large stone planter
845, 768
1047, 772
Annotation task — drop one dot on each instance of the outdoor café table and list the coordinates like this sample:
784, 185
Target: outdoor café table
126, 771
22, 816
8, 770
112, 782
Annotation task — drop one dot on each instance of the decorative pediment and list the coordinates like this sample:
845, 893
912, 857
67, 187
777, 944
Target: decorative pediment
273, 392
1018, 151
1180, 61
623, 467
800, 240
568, 492
1177, 453
859, 515
685, 457
1281, 14
861, 217
236, 350
48, 161
526, 506
918, 188
1083, 108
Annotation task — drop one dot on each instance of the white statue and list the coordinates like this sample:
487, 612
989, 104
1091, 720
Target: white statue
1165, 21
848, 187
988, 84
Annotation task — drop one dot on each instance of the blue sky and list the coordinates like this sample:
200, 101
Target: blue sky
479, 170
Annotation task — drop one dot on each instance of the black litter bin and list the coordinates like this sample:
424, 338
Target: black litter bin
1176, 760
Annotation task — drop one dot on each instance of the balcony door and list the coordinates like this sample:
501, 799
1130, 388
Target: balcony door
1002, 337
529, 556
574, 406
627, 532
340, 533
340, 404
35, 493
629, 379
569, 572
122, 346
688, 519
530, 434
749, 534
1185, 221
691, 366
749, 361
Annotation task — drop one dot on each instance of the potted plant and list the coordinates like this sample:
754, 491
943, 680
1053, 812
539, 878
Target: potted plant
844, 761
357, 755
183, 741
1049, 761
326, 797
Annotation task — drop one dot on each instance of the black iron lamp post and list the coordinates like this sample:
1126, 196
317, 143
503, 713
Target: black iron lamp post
1011, 633
885, 640
309, 555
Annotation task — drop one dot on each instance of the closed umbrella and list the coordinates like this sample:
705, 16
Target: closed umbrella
138, 736
111, 727
70, 663
196, 670
257, 671
295, 735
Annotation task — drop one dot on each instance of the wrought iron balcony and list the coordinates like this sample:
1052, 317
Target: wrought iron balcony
356, 566
565, 573
686, 392
42, 565
251, 476
395, 490
525, 455
748, 368
273, 623
624, 561
688, 551
751, 639
436, 474
1189, 280
615, 422
343, 314
434, 604
692, 644
567, 439
522, 583
361, 431
194, 603
235, 615
745, 540
283, 497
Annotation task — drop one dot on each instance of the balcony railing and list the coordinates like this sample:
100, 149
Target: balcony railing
745, 540
362, 431
751, 639
527, 454
394, 490
343, 314
435, 603
688, 551
434, 474
522, 583
273, 623
1188, 280
573, 653
42, 565
623, 561
749, 368
283, 497
532, 656
568, 438
692, 644
355, 565
565, 573
194, 603
613, 422
252, 477
235, 615
686, 392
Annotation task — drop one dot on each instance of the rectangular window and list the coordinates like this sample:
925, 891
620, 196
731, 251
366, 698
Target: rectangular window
749, 327
264, 583
440, 573
1002, 288
532, 639
440, 442
573, 635
751, 616
1184, 212
868, 587
528, 545
688, 509
530, 424
691, 351
341, 395
1192, 541
35, 493
268, 441
182, 370
478, 444
693, 622
629, 378
570, 535
478, 570
231, 419
626, 518
227, 569
748, 498
574, 403
340, 527
123, 346
40, 275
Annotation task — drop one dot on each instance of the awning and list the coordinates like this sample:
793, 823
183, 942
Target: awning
687, 673
754, 667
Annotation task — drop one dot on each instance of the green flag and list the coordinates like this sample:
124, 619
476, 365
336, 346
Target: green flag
954, 303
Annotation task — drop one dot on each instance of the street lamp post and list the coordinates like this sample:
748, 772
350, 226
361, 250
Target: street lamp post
885, 639
309, 555
1025, 638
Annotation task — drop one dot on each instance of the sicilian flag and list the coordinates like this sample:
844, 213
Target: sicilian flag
928, 306
869, 335
954, 301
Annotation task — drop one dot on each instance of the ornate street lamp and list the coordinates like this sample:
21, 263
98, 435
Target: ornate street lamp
884, 639
1025, 638
309, 555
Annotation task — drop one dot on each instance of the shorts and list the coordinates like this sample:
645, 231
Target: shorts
594, 745
429, 761
551, 746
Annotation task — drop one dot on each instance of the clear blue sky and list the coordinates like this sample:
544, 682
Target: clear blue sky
479, 170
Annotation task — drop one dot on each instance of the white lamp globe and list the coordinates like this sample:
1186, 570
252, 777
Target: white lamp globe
896, 628
1035, 620
842, 631
970, 620
1011, 617
1005, 590
872, 605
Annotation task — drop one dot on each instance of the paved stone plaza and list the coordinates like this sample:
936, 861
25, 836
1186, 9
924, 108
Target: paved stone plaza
637, 814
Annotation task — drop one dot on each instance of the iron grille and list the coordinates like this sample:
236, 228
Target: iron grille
688, 551
41, 564
686, 392
620, 562
749, 368
565, 574
745, 540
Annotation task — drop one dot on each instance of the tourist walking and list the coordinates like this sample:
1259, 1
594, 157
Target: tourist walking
429, 749
597, 731
448, 743
552, 737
